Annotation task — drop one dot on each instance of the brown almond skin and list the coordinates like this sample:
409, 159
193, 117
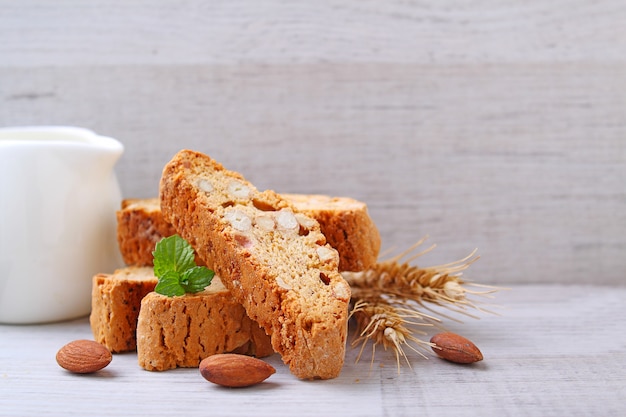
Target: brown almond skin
234, 370
83, 356
455, 348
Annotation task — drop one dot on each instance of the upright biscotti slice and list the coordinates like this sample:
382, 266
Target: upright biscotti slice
140, 226
274, 261
347, 226
181, 331
115, 302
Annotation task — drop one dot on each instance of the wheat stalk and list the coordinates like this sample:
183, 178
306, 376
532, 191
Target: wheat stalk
388, 299
387, 325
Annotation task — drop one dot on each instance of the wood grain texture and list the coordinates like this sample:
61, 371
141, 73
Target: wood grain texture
553, 351
38, 33
496, 125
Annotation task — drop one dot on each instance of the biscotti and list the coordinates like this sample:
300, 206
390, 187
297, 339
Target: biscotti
181, 331
344, 221
347, 226
275, 261
140, 226
115, 302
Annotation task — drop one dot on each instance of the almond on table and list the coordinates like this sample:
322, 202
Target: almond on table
235, 371
83, 356
455, 348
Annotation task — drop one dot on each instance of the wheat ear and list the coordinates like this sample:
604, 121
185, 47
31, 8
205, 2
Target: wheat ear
387, 299
387, 325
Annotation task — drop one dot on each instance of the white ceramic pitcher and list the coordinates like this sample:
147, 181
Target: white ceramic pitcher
58, 197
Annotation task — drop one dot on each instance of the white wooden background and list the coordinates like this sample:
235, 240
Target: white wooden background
499, 125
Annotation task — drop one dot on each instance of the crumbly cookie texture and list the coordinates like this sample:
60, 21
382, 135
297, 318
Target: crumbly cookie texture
115, 302
181, 331
275, 261
347, 226
344, 221
140, 226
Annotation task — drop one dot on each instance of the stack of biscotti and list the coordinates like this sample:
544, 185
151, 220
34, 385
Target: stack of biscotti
117, 297
274, 260
128, 315
344, 221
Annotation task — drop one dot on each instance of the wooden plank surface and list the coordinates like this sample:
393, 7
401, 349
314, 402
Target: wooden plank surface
38, 33
493, 126
552, 351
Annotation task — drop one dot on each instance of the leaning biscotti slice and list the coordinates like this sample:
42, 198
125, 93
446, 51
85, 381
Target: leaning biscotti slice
140, 226
274, 261
181, 331
347, 226
344, 221
115, 302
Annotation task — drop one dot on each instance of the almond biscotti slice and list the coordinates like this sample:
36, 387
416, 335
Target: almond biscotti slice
181, 331
140, 226
347, 226
344, 221
274, 261
115, 302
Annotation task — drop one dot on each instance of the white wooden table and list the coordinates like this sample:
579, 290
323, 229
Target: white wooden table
552, 351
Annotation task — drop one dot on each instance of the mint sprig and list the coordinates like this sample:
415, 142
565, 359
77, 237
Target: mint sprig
175, 267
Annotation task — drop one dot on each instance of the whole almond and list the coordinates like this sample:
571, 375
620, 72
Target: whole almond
455, 348
234, 370
83, 356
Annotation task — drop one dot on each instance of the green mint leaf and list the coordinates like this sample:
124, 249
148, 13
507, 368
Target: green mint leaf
176, 269
197, 279
169, 284
173, 253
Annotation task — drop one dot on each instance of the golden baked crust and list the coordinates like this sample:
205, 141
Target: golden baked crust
140, 226
115, 303
347, 226
181, 331
274, 261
